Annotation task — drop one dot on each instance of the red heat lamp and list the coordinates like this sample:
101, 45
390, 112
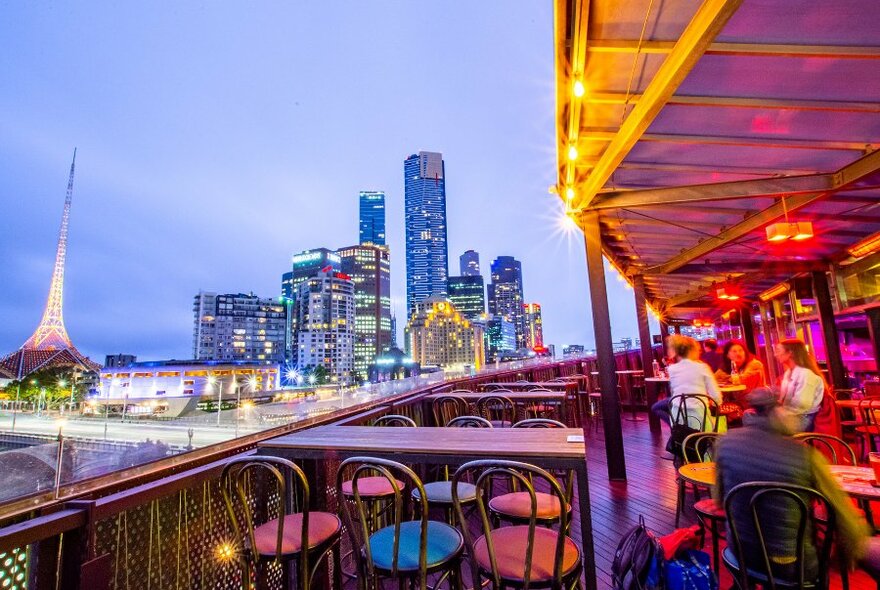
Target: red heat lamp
796, 231
726, 293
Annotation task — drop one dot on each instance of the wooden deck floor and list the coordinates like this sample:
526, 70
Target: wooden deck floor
649, 491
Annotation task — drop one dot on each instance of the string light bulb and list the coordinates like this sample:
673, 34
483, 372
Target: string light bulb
572, 152
579, 89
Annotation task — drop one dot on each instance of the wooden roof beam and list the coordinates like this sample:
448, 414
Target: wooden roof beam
609, 135
742, 102
753, 49
708, 21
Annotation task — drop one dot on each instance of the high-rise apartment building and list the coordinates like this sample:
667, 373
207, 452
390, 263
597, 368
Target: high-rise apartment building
425, 219
500, 337
325, 319
306, 265
506, 294
369, 267
469, 263
372, 217
534, 326
118, 360
468, 294
238, 326
438, 335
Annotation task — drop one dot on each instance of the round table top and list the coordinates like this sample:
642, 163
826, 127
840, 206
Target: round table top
630, 372
731, 388
856, 481
657, 379
698, 473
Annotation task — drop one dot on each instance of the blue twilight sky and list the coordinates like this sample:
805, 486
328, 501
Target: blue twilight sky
216, 139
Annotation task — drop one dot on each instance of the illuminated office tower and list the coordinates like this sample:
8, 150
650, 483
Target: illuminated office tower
369, 267
425, 220
506, 294
438, 335
468, 294
534, 329
325, 319
469, 263
372, 217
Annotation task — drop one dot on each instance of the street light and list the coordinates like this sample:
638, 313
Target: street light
211, 381
60, 424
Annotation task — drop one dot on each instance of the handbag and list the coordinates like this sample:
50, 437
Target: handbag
692, 570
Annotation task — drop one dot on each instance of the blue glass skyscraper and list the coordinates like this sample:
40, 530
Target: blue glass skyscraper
425, 211
372, 218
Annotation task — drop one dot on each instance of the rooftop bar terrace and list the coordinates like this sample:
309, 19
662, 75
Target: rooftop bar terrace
719, 155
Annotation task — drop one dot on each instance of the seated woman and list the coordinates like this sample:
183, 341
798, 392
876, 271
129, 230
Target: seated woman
802, 387
746, 369
687, 375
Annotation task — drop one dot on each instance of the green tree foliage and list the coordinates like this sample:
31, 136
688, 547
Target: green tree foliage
49, 387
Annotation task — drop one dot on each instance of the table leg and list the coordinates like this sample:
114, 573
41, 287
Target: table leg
589, 555
652, 395
628, 389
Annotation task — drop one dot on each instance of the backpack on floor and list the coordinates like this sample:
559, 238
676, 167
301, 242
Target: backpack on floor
638, 560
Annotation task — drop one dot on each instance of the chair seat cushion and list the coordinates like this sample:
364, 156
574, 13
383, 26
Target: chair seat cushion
873, 430
519, 505
709, 508
322, 526
371, 487
501, 423
511, 544
541, 408
440, 492
444, 543
732, 563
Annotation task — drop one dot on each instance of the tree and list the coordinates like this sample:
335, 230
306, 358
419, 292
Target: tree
50, 388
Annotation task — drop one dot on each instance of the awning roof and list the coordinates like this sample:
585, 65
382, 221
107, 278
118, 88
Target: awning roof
731, 104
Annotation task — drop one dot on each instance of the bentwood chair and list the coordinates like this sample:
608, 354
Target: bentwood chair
469, 422
756, 536
869, 428
411, 547
515, 506
522, 555
835, 449
543, 409
700, 448
299, 539
497, 409
446, 407
395, 420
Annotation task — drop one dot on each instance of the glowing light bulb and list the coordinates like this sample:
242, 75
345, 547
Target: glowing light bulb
579, 89
572, 153
569, 193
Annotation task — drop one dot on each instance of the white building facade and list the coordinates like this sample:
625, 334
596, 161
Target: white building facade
325, 318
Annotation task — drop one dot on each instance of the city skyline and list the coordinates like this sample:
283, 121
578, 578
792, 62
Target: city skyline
198, 185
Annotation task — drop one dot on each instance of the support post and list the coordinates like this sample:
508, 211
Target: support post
745, 319
646, 348
873, 315
604, 349
822, 293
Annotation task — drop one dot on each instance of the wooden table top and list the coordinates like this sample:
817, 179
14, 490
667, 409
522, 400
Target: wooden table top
856, 481
699, 473
496, 443
657, 379
731, 388
473, 396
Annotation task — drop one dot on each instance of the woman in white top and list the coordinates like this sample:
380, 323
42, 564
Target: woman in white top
803, 386
690, 375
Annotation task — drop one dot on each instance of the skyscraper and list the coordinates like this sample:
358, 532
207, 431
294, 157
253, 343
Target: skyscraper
469, 263
427, 264
506, 294
238, 327
369, 266
306, 265
325, 314
534, 326
468, 294
372, 217
500, 337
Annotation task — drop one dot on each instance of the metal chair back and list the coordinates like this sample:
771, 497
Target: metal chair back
700, 447
447, 407
696, 417
539, 423
486, 472
872, 389
356, 512
469, 422
835, 449
238, 480
395, 420
748, 505
497, 407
